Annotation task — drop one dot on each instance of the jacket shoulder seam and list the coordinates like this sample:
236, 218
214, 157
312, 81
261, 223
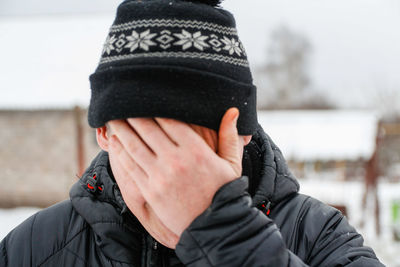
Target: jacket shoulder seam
299, 216
203, 252
76, 255
327, 220
4, 250
64, 246
33, 223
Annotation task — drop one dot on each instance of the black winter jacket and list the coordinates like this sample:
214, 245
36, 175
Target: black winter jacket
259, 219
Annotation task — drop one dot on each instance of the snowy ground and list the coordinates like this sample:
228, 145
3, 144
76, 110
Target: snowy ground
332, 192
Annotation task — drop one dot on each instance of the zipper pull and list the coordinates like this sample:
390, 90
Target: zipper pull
155, 245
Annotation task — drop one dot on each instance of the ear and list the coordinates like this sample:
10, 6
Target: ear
246, 139
102, 138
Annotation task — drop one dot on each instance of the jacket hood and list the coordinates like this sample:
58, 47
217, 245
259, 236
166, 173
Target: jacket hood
105, 211
269, 176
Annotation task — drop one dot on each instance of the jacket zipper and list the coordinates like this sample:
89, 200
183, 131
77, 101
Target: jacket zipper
153, 252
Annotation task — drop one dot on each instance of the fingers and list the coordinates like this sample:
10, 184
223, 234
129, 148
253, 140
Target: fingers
152, 134
132, 143
228, 138
179, 132
130, 172
127, 174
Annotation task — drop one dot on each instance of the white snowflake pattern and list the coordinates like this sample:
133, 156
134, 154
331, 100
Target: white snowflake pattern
142, 40
188, 40
108, 45
232, 46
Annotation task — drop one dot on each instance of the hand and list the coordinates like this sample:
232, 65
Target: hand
136, 203
170, 167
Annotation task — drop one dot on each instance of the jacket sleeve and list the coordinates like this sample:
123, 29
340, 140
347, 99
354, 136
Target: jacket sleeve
233, 233
16, 247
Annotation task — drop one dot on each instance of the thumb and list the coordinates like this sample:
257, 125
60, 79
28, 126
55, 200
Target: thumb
228, 139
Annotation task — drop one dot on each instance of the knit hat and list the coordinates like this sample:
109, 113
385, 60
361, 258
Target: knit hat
176, 59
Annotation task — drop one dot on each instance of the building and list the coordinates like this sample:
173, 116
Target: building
43, 152
330, 144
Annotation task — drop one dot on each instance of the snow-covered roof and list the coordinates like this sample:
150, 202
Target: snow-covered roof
322, 135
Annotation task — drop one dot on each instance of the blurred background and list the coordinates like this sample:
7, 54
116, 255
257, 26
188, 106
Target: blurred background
328, 83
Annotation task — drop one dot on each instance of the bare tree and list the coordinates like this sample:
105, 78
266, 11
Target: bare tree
286, 82
386, 99
286, 68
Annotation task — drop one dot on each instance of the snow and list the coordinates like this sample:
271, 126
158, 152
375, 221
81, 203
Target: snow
322, 135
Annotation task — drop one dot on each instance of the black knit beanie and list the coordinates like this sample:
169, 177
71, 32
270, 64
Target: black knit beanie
176, 59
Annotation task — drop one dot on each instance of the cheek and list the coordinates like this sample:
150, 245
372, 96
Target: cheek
114, 165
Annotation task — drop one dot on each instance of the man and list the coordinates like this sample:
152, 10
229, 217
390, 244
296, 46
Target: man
186, 176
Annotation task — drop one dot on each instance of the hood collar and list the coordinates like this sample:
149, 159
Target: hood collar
117, 232
270, 179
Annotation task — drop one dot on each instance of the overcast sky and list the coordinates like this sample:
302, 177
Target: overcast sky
356, 44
